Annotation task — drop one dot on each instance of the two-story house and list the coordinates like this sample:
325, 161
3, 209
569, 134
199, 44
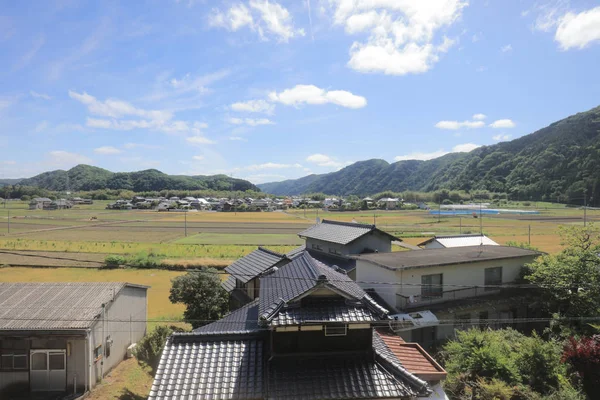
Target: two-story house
334, 242
308, 336
463, 284
243, 282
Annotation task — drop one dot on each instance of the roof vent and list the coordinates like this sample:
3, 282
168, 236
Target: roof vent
322, 278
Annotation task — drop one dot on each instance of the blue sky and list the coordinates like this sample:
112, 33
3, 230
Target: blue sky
270, 90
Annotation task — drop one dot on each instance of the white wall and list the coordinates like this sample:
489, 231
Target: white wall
367, 272
433, 245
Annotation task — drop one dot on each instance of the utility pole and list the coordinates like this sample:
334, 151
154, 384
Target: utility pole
8, 220
480, 220
530, 234
185, 223
584, 206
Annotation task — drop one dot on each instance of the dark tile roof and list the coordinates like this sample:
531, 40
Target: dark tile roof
254, 264
229, 283
345, 263
242, 320
446, 256
54, 306
348, 376
325, 310
294, 252
340, 232
210, 369
301, 275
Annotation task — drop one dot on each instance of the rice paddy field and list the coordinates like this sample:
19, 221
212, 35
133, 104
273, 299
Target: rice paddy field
72, 244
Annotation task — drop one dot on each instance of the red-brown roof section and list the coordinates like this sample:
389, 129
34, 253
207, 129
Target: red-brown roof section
414, 358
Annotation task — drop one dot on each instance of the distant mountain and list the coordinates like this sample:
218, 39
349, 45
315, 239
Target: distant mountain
87, 177
4, 182
557, 162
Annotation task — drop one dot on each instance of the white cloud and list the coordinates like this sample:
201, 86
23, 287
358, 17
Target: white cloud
479, 117
237, 138
459, 148
421, 156
266, 18
577, 31
269, 165
506, 49
549, 14
503, 123
501, 138
117, 108
323, 160
63, 158
199, 140
107, 150
140, 145
198, 158
401, 34
37, 95
310, 94
465, 148
454, 125
251, 121
477, 37
256, 106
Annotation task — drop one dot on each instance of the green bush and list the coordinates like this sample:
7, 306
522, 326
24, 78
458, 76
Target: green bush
149, 349
144, 260
114, 260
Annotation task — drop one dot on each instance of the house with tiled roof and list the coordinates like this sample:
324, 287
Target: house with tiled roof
243, 282
309, 335
463, 240
334, 242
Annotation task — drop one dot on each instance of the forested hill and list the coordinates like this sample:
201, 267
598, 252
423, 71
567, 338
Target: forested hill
555, 163
86, 177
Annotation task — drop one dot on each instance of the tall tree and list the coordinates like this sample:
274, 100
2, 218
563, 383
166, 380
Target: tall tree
201, 292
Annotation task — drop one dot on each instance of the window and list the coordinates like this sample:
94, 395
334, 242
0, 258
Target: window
13, 359
493, 277
334, 251
98, 353
431, 285
39, 362
336, 330
317, 247
56, 361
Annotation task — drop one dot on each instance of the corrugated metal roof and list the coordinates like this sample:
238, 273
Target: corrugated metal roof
435, 257
461, 240
254, 264
340, 232
53, 306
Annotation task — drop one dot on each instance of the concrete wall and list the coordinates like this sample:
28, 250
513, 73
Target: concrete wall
367, 272
130, 304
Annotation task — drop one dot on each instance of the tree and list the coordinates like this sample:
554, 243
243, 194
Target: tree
584, 355
149, 349
201, 292
570, 280
504, 364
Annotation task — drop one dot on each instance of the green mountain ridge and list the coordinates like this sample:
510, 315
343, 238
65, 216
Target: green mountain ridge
86, 177
556, 163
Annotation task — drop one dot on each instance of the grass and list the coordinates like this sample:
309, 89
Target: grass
127, 381
242, 239
169, 250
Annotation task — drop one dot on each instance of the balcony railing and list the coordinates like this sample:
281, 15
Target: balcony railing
408, 302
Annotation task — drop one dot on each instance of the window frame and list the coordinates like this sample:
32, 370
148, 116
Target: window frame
12, 353
496, 282
427, 289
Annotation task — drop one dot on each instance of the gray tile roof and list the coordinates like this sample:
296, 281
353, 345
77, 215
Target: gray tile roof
340, 232
446, 256
242, 320
345, 263
53, 306
352, 376
294, 252
254, 264
210, 369
325, 311
229, 283
301, 275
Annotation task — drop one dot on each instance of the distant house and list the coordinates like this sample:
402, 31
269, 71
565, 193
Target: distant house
308, 336
389, 203
64, 337
449, 241
334, 242
243, 282
39, 203
60, 204
467, 284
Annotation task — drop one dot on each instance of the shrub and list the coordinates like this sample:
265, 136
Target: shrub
149, 349
114, 260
